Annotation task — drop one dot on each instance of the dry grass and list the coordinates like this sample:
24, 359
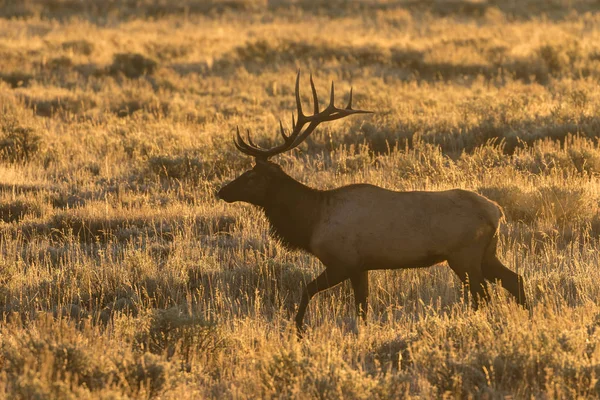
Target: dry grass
122, 276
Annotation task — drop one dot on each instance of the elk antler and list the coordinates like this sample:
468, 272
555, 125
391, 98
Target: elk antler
297, 136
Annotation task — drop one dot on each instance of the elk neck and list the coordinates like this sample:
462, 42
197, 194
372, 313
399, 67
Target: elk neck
293, 211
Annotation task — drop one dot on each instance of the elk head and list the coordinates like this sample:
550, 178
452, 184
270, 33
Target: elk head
254, 186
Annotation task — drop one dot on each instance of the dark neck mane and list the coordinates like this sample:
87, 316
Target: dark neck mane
293, 210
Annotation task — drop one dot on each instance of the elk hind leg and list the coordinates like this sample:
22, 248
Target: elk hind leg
494, 270
360, 285
467, 265
328, 279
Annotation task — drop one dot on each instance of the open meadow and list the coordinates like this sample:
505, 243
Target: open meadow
123, 276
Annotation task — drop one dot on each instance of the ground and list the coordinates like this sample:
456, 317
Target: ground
122, 276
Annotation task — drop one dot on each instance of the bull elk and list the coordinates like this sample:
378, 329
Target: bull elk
358, 228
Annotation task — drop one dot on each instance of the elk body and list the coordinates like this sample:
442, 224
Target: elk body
358, 228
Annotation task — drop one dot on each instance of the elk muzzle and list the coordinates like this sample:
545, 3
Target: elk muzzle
225, 194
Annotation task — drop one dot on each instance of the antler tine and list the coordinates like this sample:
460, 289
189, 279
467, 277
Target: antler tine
237, 146
298, 102
239, 142
250, 139
314, 93
242, 146
332, 96
243, 149
285, 137
293, 121
349, 106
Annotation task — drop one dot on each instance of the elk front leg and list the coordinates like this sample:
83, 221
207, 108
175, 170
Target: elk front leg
328, 279
360, 285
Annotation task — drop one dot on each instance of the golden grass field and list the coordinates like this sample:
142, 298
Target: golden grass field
122, 276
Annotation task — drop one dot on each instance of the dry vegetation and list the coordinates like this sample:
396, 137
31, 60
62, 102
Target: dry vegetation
122, 276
